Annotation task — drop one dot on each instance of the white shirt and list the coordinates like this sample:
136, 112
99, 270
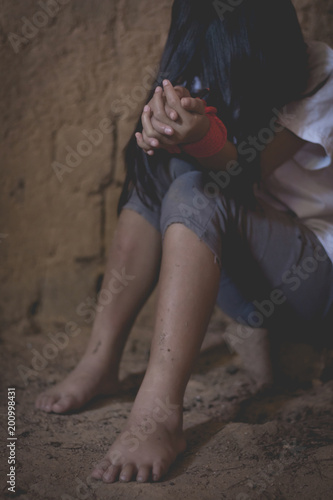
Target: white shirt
304, 183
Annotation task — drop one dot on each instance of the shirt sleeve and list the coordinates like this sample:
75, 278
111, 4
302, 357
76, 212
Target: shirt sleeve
311, 118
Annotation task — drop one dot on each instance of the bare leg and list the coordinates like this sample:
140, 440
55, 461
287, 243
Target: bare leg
153, 436
135, 252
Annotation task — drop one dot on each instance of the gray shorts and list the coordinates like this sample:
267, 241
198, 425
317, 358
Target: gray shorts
275, 273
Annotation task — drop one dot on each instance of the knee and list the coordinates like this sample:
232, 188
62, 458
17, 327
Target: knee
188, 202
191, 201
186, 197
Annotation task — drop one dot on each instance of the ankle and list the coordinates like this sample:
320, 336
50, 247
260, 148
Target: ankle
102, 363
159, 406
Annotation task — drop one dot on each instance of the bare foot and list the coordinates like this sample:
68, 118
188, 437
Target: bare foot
149, 444
253, 347
92, 377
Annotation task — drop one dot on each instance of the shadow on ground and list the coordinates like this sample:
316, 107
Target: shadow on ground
278, 445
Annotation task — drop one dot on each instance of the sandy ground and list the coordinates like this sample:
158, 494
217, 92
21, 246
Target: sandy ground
276, 446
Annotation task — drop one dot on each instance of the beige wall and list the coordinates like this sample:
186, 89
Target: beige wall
86, 66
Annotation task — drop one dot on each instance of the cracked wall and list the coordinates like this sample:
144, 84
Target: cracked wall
74, 76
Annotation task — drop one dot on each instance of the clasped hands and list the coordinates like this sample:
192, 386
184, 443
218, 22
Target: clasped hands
172, 117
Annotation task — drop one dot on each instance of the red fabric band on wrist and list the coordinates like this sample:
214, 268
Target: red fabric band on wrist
212, 142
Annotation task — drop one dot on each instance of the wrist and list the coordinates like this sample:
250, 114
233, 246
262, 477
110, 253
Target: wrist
212, 142
199, 134
204, 129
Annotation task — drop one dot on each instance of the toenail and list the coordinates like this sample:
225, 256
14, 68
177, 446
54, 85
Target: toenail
123, 478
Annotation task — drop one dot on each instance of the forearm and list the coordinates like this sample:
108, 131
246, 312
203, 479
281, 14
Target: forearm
283, 147
222, 159
193, 124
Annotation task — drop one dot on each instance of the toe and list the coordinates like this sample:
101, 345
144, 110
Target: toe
159, 469
47, 403
143, 474
100, 469
64, 404
111, 474
127, 472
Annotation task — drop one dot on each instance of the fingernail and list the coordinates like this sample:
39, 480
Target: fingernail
146, 108
154, 143
168, 130
165, 82
158, 89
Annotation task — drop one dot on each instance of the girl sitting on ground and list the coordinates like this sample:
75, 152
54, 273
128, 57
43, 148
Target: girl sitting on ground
228, 201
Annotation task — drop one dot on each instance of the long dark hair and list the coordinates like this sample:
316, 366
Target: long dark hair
253, 58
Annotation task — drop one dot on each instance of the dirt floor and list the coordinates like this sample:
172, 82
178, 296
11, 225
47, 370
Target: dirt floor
276, 446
